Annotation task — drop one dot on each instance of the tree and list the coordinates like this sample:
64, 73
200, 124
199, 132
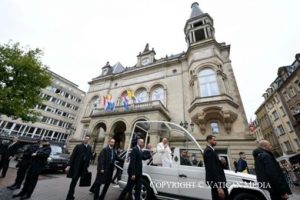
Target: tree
22, 76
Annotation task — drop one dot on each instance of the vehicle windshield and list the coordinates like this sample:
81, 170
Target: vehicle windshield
56, 150
154, 131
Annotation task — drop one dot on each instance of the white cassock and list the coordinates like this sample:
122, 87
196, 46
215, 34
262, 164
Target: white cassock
165, 154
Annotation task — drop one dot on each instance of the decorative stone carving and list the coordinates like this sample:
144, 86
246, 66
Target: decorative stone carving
226, 117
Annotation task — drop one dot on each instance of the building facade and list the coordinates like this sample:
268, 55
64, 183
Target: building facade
264, 124
197, 87
282, 104
258, 133
289, 92
58, 113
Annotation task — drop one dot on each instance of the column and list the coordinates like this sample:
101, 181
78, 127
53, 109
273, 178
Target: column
12, 128
33, 132
107, 136
220, 82
24, 130
127, 140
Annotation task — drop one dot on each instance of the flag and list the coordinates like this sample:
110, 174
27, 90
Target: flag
125, 103
251, 126
109, 104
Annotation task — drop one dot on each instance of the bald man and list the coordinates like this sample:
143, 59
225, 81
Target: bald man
268, 172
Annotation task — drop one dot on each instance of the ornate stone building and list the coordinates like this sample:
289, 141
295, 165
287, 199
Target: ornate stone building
197, 86
264, 125
281, 106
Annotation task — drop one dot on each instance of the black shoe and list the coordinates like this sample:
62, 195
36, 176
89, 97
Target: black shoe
25, 197
13, 187
70, 198
16, 195
92, 190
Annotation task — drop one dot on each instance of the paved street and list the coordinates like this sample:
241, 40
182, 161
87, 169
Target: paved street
54, 186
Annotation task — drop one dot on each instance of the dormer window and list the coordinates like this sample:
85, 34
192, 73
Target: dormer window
105, 71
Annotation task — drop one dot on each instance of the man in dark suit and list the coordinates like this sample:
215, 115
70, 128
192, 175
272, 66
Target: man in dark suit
215, 176
78, 164
135, 170
184, 159
24, 165
39, 160
105, 169
242, 165
9, 152
268, 172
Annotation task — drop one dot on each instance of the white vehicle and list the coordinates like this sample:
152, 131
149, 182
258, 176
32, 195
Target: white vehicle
180, 181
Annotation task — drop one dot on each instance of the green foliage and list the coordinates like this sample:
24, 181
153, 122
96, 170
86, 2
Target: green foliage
22, 76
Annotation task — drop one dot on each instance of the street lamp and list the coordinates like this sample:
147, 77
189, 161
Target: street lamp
186, 125
70, 130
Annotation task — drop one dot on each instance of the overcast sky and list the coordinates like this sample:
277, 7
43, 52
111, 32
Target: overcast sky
79, 36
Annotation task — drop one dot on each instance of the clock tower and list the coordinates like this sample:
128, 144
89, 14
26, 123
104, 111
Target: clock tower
146, 57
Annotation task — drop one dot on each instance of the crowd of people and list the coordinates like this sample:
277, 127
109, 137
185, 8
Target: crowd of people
33, 160
268, 170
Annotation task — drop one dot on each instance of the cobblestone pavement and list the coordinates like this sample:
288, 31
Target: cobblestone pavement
55, 187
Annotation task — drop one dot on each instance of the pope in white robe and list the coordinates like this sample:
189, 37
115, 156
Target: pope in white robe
164, 153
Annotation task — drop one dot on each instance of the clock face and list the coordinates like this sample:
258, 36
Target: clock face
145, 61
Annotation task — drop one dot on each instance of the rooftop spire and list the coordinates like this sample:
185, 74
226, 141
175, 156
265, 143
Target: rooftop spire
196, 11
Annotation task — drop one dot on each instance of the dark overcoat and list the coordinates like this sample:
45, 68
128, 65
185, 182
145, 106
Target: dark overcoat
269, 173
40, 160
136, 161
215, 175
8, 150
106, 162
79, 160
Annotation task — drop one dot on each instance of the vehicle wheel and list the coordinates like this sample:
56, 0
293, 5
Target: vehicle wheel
146, 191
245, 196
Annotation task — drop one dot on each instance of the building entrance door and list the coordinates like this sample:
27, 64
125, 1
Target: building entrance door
119, 134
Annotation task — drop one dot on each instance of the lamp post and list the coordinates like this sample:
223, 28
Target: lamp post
70, 130
186, 125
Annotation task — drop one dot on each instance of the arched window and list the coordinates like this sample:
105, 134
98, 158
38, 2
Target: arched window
95, 102
158, 94
208, 83
214, 127
141, 96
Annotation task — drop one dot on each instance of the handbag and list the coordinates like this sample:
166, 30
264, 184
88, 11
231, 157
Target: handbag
85, 179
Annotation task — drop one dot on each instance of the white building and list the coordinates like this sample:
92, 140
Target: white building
58, 113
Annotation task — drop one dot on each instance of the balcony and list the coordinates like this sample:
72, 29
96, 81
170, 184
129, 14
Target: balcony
221, 107
134, 108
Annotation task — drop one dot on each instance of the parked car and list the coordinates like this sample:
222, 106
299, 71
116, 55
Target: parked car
182, 181
57, 159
